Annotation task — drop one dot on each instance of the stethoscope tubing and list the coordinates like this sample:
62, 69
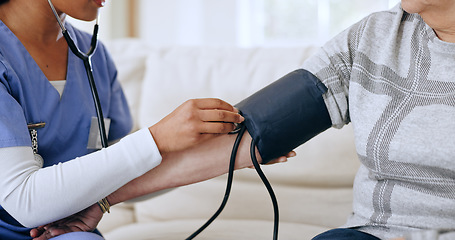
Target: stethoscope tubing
86, 59
261, 174
269, 188
228, 184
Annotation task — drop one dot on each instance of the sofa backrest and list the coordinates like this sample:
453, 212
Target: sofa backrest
157, 80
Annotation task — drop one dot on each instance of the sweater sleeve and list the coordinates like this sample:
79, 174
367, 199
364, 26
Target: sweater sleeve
35, 196
333, 64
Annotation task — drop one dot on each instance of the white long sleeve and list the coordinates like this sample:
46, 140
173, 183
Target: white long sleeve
35, 196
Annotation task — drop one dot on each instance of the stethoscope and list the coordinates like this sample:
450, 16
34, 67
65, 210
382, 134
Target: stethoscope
86, 58
240, 130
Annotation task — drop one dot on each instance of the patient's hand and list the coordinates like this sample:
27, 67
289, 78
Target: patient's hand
281, 159
84, 221
194, 122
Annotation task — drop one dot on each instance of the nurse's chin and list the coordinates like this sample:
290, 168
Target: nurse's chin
87, 16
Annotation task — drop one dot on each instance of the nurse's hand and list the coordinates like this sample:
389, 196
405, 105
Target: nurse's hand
194, 122
84, 221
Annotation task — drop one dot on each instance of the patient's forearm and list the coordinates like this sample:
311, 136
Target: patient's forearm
199, 163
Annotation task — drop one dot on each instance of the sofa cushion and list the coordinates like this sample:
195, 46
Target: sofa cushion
219, 230
327, 207
121, 214
129, 56
328, 160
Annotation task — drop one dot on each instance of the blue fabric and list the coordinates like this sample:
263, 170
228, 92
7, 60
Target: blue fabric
95, 235
78, 236
345, 234
26, 96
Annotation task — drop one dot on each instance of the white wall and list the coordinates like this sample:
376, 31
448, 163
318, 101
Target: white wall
188, 22
218, 22
242, 22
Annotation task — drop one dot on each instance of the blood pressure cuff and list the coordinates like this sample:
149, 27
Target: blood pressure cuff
286, 114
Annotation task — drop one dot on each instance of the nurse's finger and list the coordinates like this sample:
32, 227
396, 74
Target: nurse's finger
213, 103
36, 232
216, 127
220, 116
46, 235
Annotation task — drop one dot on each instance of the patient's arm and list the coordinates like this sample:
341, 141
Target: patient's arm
193, 165
196, 164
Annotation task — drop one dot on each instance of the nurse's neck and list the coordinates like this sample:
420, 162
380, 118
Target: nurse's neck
31, 21
35, 26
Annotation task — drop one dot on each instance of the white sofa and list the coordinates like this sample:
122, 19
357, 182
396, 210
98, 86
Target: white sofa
314, 189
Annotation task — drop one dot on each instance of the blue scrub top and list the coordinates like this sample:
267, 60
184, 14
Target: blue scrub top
26, 96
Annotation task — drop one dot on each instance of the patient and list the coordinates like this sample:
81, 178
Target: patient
392, 76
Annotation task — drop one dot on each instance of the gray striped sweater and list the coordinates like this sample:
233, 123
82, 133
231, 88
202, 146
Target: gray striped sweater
394, 81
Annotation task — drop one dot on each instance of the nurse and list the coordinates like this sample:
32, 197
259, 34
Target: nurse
45, 96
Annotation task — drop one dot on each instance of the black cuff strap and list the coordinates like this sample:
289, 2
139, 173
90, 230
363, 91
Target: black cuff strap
286, 114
